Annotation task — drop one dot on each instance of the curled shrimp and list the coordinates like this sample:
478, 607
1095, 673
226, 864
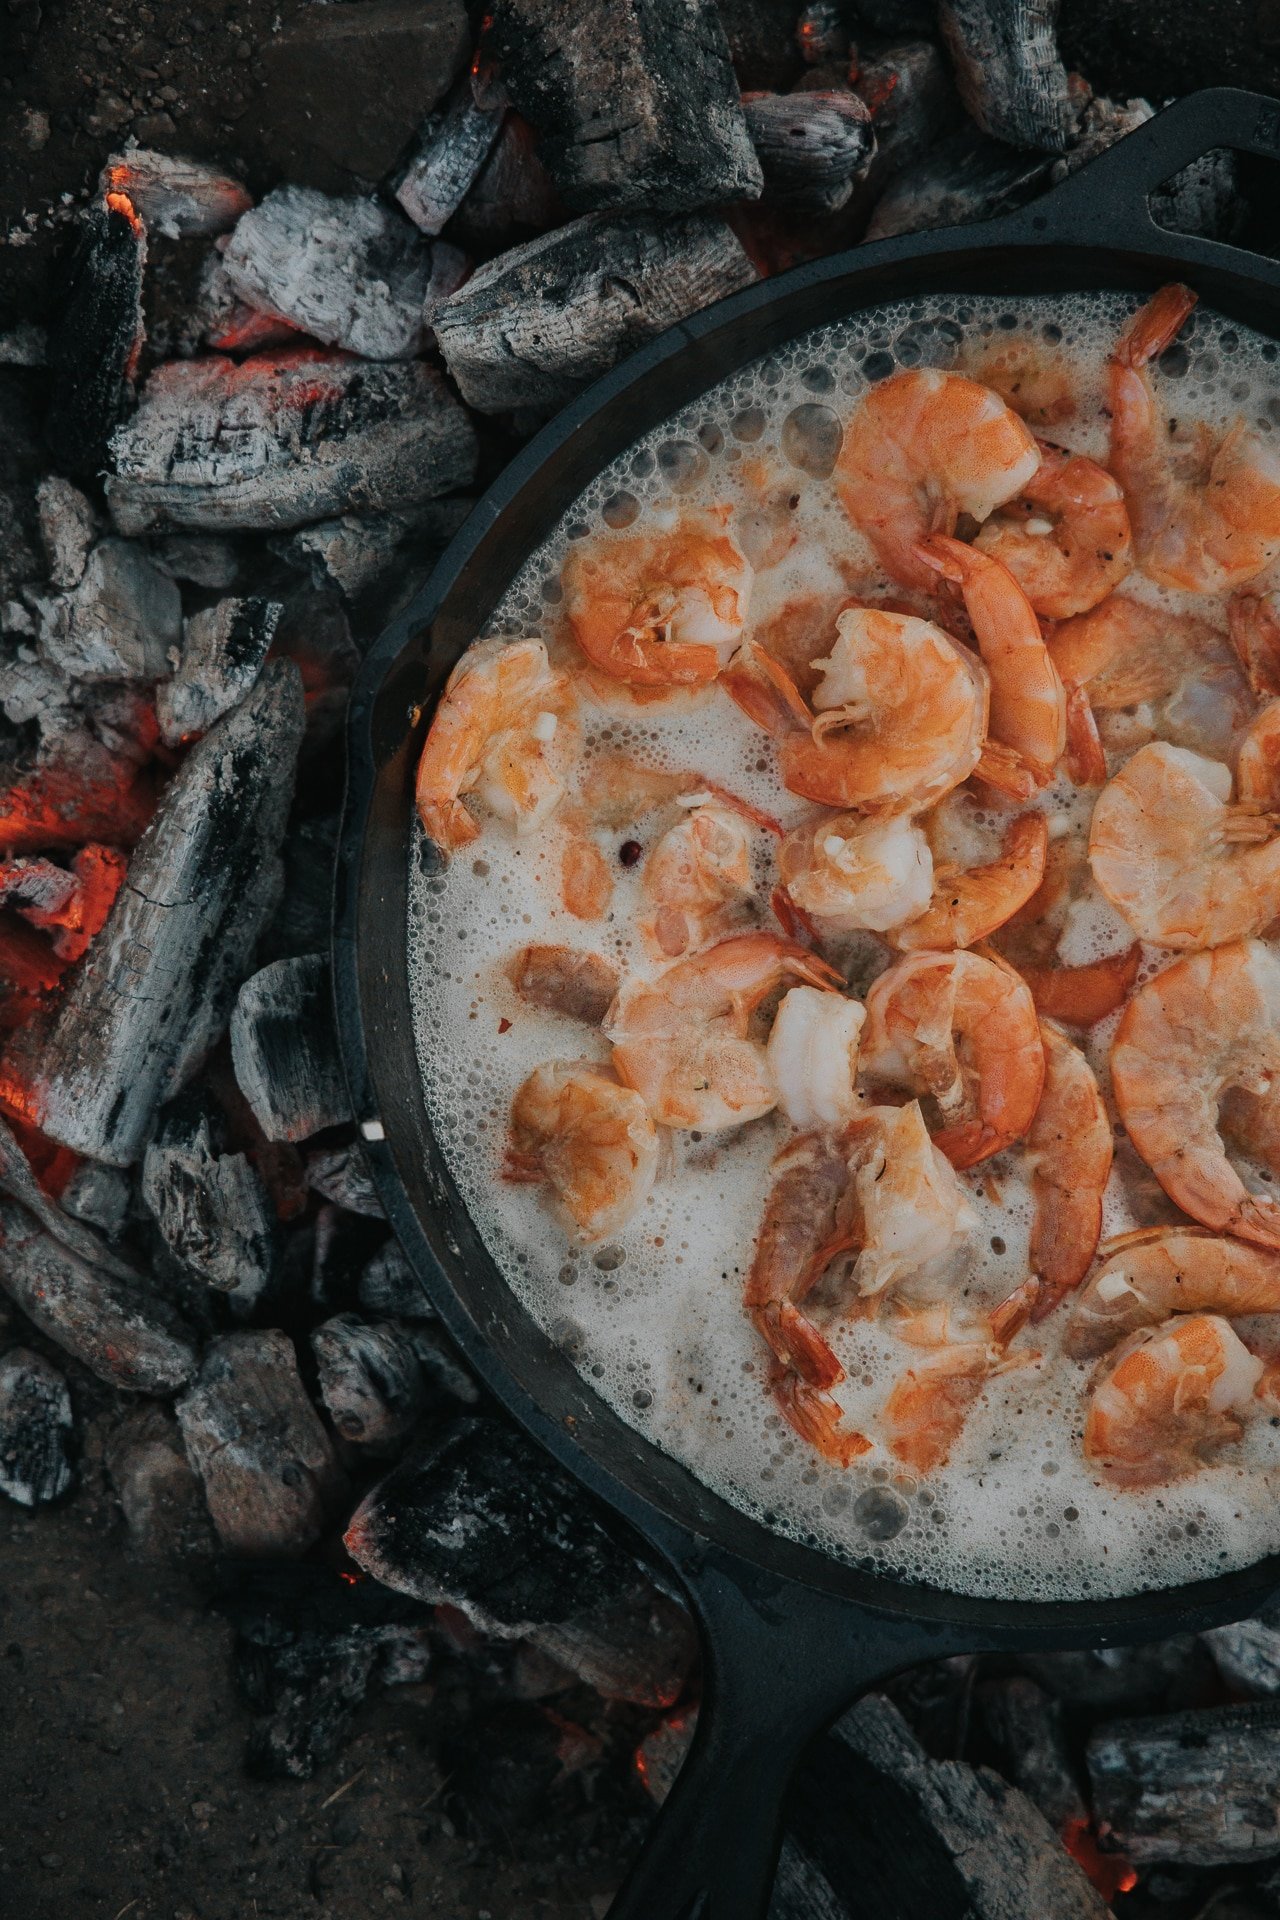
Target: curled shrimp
1206, 1027
1158, 1271
696, 875
916, 1220
1258, 761
1183, 865
1253, 620
1065, 538
846, 872
659, 608
1028, 720
1206, 517
926, 1412
922, 448
575, 1130
967, 904
506, 730
813, 1056
1169, 1398
682, 1041
1068, 1156
961, 1029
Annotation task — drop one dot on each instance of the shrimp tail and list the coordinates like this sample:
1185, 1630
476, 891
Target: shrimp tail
765, 691
1005, 769
816, 1417
1014, 1312
794, 921
1081, 996
1156, 325
797, 1345
1086, 761
448, 824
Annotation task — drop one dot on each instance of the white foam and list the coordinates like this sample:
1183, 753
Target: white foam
654, 1321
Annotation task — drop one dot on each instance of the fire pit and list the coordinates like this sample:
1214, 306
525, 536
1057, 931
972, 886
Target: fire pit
253, 409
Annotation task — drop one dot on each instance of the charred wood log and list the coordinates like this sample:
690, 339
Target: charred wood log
963, 177
285, 1051
370, 1381
529, 328
1197, 1788
173, 196
271, 1478
69, 527
357, 552
117, 623
350, 272
912, 101
284, 439
221, 320
444, 1373
212, 1210
513, 195
477, 1517
452, 150
811, 146
97, 1195
97, 337
342, 1175
1026, 1726
19, 1182
1008, 70
636, 107
1247, 1655
117, 1328
223, 649
154, 990
35, 1426
389, 1286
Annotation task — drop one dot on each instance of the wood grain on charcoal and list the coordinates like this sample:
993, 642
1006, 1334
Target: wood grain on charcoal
223, 648
1197, 1787
452, 150
213, 1212
95, 340
812, 147
285, 1049
370, 1381
1008, 69
117, 623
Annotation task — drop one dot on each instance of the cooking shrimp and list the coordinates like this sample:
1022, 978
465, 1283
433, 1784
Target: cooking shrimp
1253, 620
695, 877
506, 730
1148, 1275
1208, 1025
575, 1130
917, 1221
1258, 761
1168, 1399
1068, 1156
963, 1030
1206, 516
1028, 720
565, 980
813, 1056
662, 608
682, 1042
846, 872
968, 904
922, 448
1065, 538
925, 1414
1183, 865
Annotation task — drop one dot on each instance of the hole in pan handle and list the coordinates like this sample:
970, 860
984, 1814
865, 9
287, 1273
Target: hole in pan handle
1106, 201
780, 1663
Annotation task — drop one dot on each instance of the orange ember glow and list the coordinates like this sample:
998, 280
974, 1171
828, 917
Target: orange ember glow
118, 202
1110, 1873
54, 807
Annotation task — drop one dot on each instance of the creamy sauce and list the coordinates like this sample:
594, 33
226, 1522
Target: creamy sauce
654, 1320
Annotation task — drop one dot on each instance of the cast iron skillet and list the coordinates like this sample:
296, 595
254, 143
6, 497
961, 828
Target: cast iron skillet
790, 1636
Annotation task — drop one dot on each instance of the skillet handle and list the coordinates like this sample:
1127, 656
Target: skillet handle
1106, 202
779, 1664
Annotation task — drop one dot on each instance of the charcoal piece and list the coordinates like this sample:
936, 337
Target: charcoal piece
1247, 1655
173, 196
1196, 1788
761, 36
440, 1365
356, 552
96, 337
152, 1479
1119, 1679
342, 1175
69, 526
478, 1518
822, 34
341, 1245
271, 1478
1100, 122
285, 1051
513, 195
99, 1196
452, 149
1026, 1726
565, 980
350, 272
223, 648
119, 1329
1203, 199
306, 1694
221, 320
370, 1381
199, 558
155, 988
963, 177
283, 439
529, 328
663, 1751
19, 1182
35, 1426
303, 921
1008, 70
912, 101
212, 1210
389, 1287
69, 903
811, 146
635, 107
345, 87
117, 623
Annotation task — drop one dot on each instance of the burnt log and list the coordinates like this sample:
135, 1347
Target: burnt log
1008, 69
99, 1196
1027, 1729
154, 991
812, 147
69, 526
271, 1478
370, 1381
452, 150
285, 1051
963, 177
212, 1210
35, 1426
96, 337
223, 649
634, 107
357, 552
117, 623
342, 1175
350, 272
199, 558
221, 320
389, 1286
531, 327
173, 196
283, 439
1196, 1788
512, 197
912, 101
119, 1329
1247, 1655
441, 1367
70, 1230
479, 1519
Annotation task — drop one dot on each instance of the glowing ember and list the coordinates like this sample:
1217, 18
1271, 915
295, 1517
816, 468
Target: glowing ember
1110, 1873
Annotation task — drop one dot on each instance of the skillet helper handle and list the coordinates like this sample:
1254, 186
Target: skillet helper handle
778, 1667
1101, 204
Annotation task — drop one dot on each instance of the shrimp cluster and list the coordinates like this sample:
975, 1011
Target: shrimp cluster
1011, 896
